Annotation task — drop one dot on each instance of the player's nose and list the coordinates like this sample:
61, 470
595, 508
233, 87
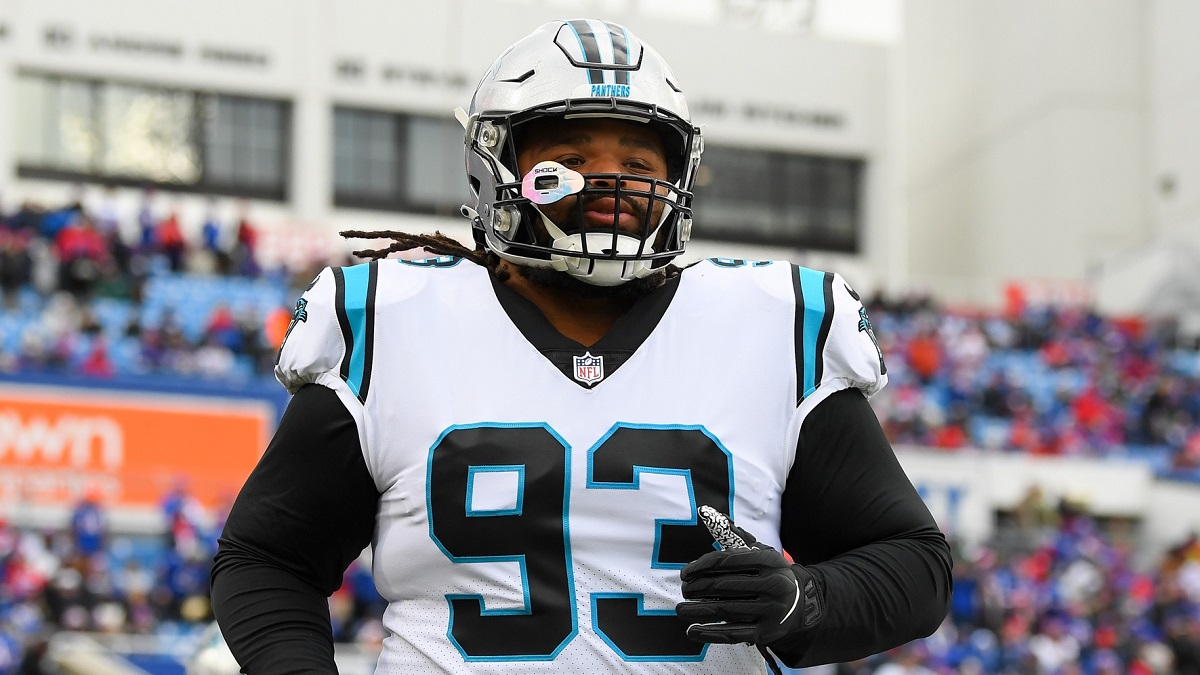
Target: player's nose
603, 165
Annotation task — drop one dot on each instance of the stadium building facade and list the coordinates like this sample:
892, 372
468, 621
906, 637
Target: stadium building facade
339, 115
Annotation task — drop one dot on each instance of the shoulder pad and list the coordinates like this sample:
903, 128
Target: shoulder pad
331, 333
836, 346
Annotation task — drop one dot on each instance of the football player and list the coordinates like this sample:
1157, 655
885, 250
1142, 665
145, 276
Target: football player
568, 454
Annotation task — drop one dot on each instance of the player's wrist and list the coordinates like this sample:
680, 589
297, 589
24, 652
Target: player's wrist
812, 597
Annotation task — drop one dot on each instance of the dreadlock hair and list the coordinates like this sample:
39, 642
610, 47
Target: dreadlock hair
436, 243
440, 244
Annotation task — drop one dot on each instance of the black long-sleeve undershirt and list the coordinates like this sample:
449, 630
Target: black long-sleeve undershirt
850, 515
304, 514
853, 519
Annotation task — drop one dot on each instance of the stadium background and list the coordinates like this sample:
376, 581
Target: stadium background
1013, 186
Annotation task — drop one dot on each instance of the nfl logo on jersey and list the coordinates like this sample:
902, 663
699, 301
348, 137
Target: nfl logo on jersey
589, 369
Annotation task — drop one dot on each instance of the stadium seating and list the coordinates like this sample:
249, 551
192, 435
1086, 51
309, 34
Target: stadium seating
1053, 380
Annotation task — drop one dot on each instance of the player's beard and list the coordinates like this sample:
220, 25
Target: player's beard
572, 222
634, 289
631, 290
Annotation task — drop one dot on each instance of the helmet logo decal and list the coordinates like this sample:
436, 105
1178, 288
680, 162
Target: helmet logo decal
603, 91
604, 44
549, 182
589, 369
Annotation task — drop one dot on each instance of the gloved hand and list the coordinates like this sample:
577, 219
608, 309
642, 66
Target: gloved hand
746, 592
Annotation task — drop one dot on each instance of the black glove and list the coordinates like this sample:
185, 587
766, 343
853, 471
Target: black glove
745, 593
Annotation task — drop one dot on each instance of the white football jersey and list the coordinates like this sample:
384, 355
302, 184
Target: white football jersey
539, 500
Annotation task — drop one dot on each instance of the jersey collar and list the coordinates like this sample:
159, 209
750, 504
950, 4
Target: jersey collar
625, 337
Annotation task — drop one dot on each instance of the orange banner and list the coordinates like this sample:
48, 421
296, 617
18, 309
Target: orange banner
128, 449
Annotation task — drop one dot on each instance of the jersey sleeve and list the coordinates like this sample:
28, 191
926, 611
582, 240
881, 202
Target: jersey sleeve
315, 346
836, 346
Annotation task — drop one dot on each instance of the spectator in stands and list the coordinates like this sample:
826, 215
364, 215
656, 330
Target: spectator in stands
222, 327
147, 221
952, 435
212, 239
82, 254
186, 533
1155, 420
276, 327
53, 222
252, 341
96, 361
996, 399
89, 527
27, 219
924, 355
174, 343
16, 266
1052, 646
169, 240
245, 247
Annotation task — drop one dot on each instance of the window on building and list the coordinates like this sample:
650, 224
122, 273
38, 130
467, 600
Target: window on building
778, 198
397, 161
80, 129
245, 142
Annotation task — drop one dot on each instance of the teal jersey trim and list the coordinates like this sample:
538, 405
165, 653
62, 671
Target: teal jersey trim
358, 302
812, 285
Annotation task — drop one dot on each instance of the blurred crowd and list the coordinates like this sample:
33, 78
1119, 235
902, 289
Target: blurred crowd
86, 578
1061, 593
67, 273
1045, 380
87, 293
1071, 596
92, 252
1041, 379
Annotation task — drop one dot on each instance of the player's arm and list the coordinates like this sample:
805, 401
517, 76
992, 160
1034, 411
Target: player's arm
874, 570
853, 520
306, 511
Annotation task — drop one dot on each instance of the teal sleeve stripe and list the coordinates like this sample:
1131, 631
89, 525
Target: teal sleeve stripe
357, 278
812, 285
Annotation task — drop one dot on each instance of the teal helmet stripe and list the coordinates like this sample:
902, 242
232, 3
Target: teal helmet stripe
622, 54
604, 46
591, 51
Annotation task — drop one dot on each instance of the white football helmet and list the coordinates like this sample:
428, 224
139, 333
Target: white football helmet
576, 69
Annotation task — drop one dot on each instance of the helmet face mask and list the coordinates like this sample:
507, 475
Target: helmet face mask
552, 75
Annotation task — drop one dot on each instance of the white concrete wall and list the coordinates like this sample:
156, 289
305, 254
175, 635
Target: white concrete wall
7, 168
1174, 104
1027, 151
